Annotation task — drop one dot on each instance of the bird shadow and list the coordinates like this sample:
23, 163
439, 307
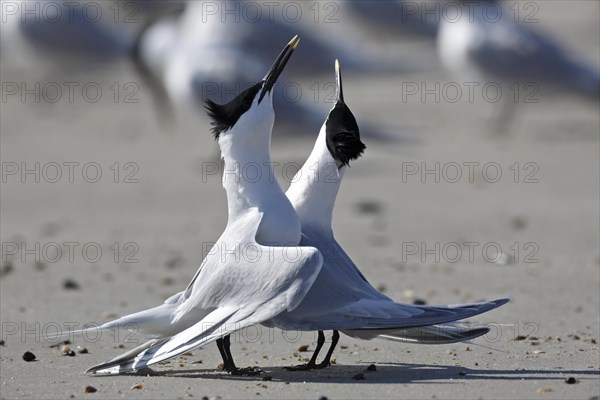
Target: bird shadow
385, 373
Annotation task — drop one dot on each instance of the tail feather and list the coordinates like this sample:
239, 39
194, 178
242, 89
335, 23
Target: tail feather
156, 322
158, 350
123, 362
431, 315
434, 334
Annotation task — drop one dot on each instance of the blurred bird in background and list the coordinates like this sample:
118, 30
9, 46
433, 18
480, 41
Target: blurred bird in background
483, 42
185, 52
201, 54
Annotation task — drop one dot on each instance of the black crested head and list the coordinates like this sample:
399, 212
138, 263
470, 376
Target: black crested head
343, 136
224, 116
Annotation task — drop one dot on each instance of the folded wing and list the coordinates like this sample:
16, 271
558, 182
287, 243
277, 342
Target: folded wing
241, 294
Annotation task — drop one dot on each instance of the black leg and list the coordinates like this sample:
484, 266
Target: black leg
312, 364
221, 347
230, 366
327, 361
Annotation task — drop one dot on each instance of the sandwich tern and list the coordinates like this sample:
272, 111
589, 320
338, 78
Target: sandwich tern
257, 269
75, 35
341, 298
485, 45
193, 61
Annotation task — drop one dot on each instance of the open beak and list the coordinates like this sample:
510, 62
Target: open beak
338, 82
278, 67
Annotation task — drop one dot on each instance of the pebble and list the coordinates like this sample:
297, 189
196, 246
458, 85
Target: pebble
70, 284
462, 373
419, 302
137, 386
303, 348
2, 343
323, 398
66, 351
544, 389
28, 356
367, 207
82, 350
6, 269
359, 377
89, 389
571, 380
371, 368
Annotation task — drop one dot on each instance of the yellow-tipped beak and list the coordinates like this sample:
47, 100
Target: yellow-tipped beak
278, 66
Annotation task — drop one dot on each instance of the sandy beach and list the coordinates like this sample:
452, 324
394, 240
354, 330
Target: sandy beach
115, 215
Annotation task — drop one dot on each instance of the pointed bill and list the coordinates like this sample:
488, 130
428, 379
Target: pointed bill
338, 81
278, 66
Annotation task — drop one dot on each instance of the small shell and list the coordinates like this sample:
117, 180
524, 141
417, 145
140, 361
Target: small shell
89, 389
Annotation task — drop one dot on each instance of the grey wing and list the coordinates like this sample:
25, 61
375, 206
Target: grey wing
340, 291
279, 285
400, 17
513, 52
342, 298
72, 32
